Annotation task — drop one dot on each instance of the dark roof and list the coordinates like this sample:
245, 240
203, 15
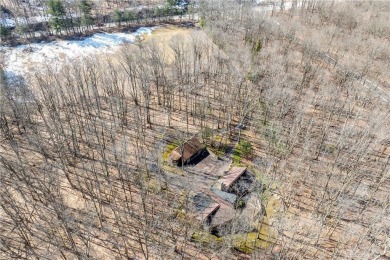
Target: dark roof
201, 201
231, 176
189, 149
230, 197
204, 206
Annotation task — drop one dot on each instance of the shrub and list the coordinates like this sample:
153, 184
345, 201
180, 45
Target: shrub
4, 32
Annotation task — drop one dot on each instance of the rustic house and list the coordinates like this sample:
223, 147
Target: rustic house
218, 209
213, 211
187, 152
221, 220
227, 219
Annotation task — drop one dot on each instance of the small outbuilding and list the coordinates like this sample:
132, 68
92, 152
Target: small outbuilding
187, 152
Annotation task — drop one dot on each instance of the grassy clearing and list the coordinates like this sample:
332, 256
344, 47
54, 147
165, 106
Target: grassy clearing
242, 149
168, 150
172, 169
206, 238
248, 242
180, 207
242, 242
169, 167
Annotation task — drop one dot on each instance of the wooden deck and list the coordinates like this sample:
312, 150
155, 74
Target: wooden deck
208, 211
231, 177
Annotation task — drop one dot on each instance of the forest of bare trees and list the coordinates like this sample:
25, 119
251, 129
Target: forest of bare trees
82, 173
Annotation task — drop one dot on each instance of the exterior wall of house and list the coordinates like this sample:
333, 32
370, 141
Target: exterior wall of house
193, 157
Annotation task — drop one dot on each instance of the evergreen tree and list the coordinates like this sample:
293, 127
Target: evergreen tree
57, 11
86, 8
171, 2
129, 16
118, 16
4, 32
